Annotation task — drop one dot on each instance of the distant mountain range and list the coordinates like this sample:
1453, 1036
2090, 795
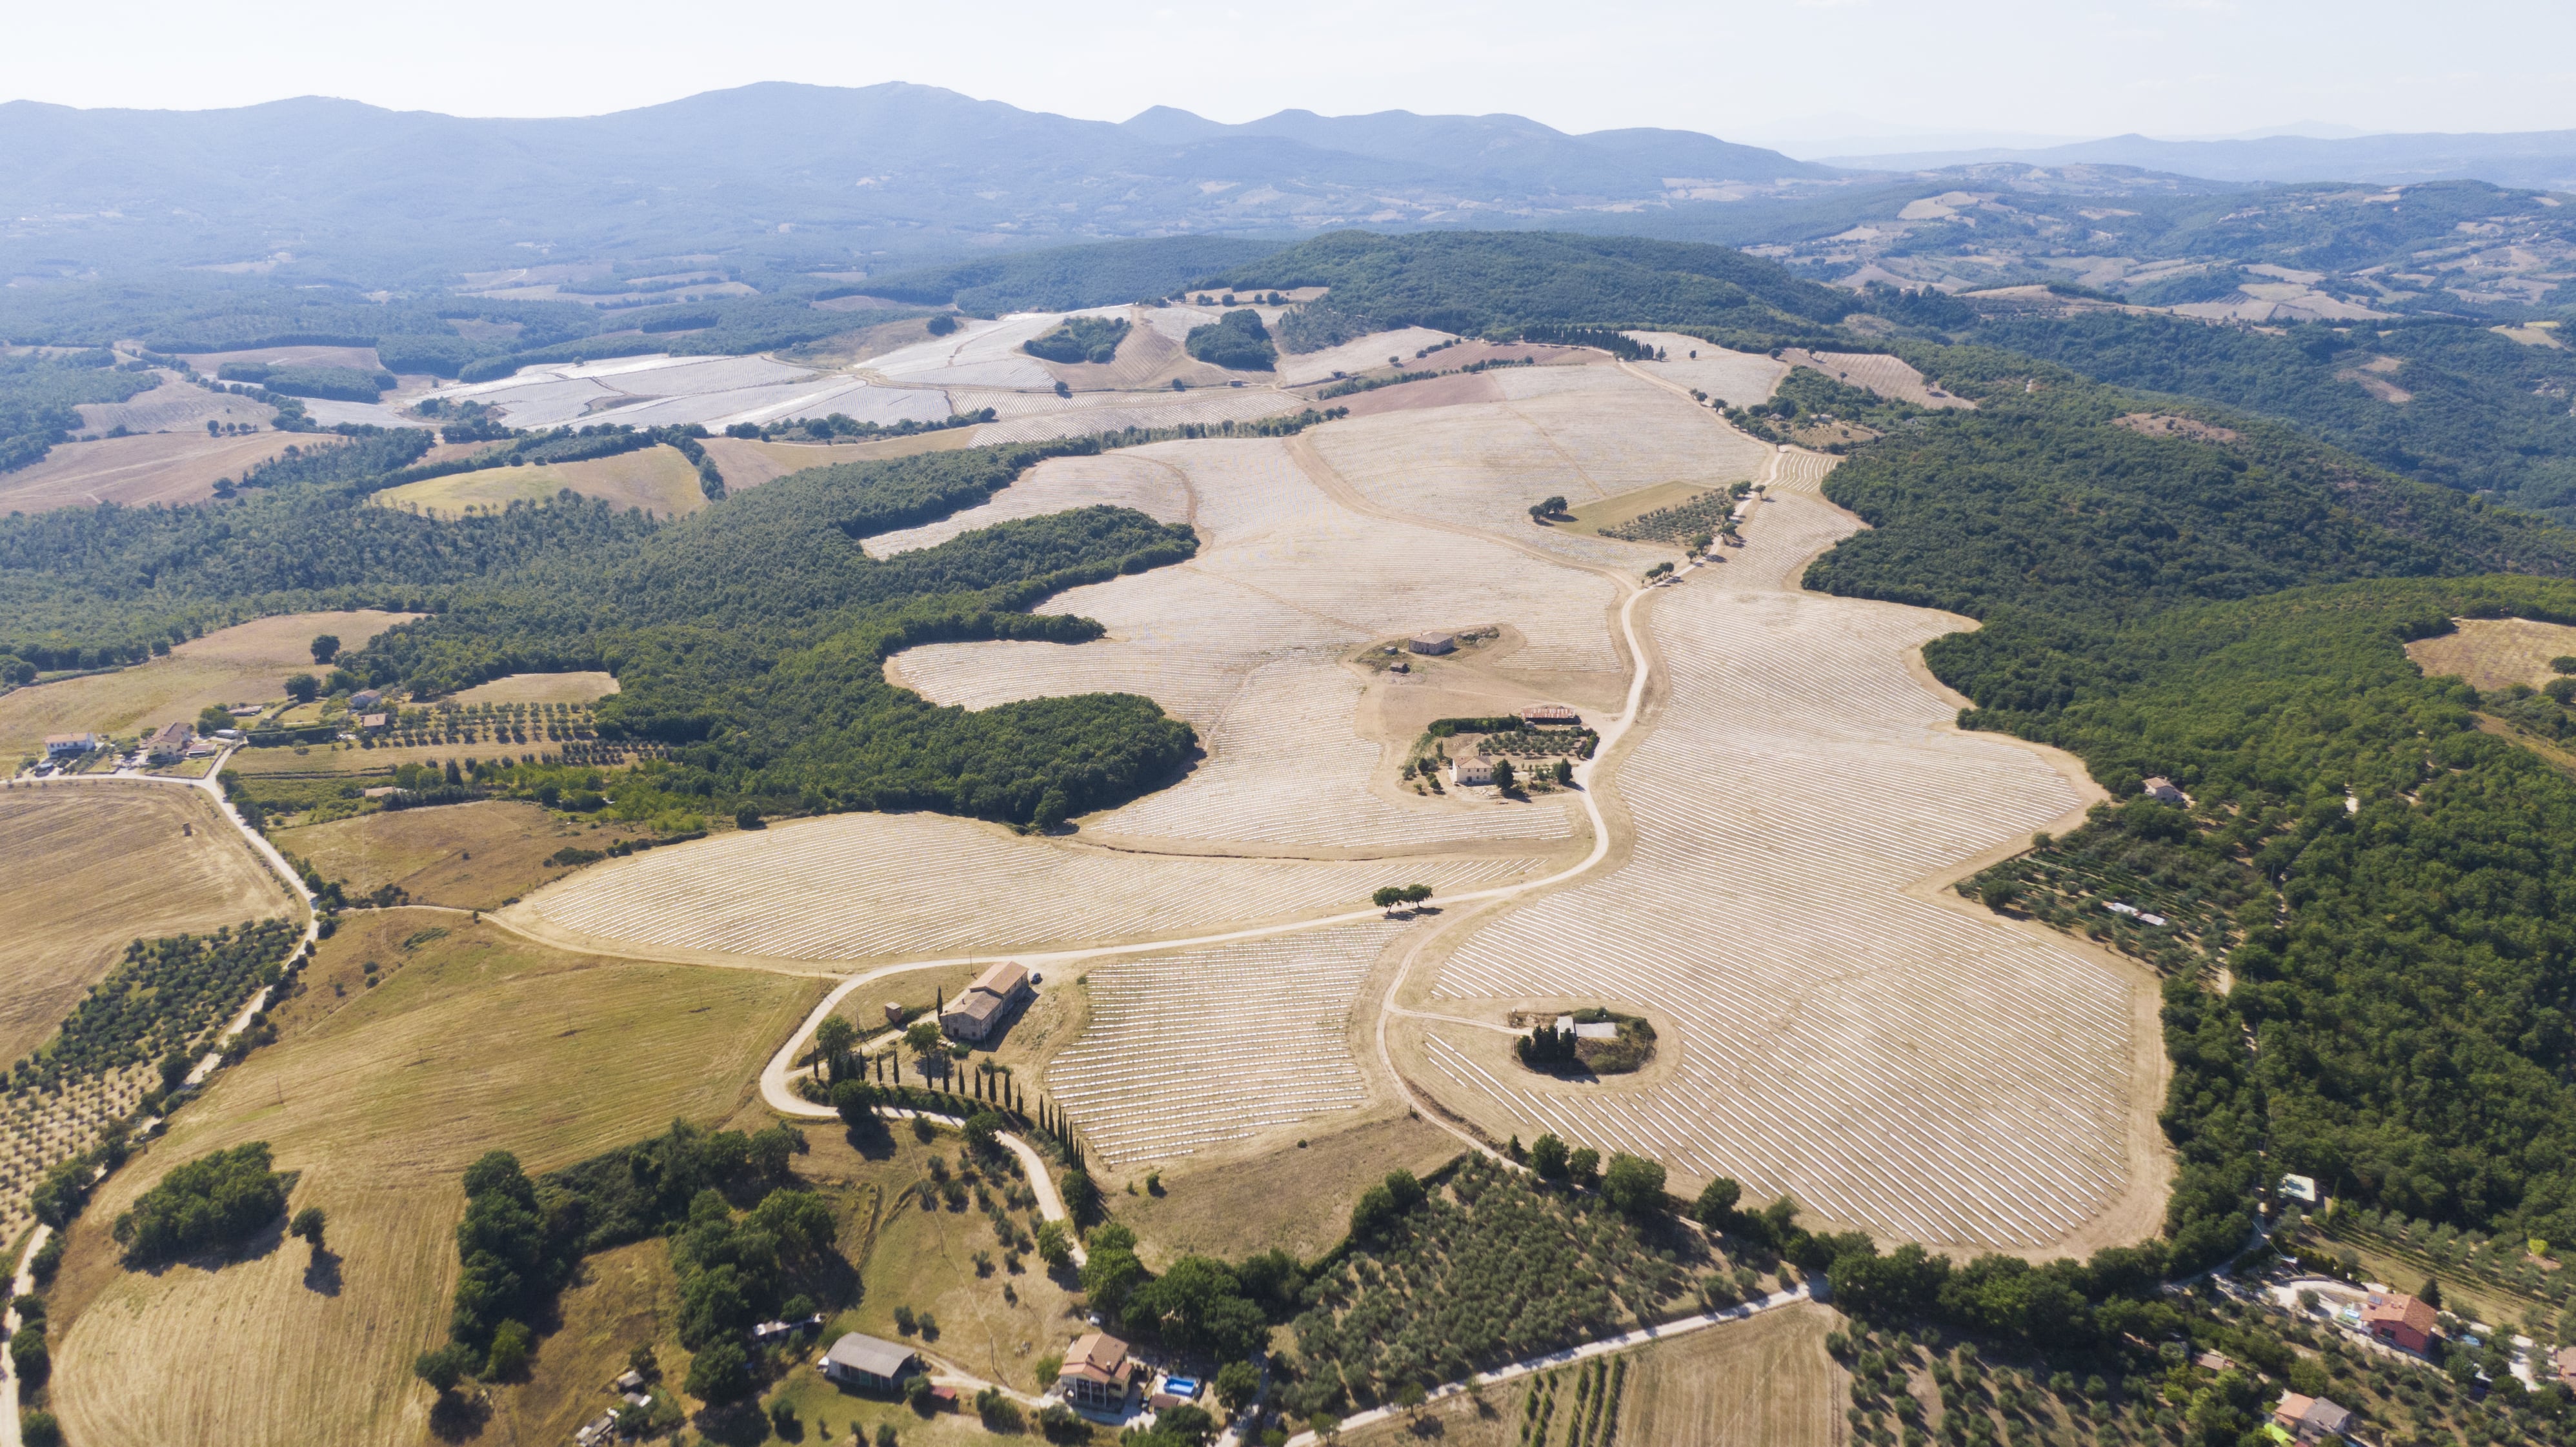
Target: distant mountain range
790, 170
2535, 160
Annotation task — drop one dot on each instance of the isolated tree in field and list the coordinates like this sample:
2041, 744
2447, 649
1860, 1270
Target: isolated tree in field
303, 687
1387, 896
1416, 893
325, 647
308, 1227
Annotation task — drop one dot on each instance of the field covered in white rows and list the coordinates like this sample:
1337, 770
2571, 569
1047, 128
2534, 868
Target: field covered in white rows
671, 391
1738, 377
1885, 1061
870, 886
1191, 1049
1243, 641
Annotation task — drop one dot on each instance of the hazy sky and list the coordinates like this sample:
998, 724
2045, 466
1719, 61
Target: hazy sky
1797, 73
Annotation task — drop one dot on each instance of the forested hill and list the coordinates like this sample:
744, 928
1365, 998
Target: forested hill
2480, 411
2387, 885
1478, 281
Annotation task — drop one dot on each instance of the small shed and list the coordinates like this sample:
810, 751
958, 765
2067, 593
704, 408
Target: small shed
1433, 643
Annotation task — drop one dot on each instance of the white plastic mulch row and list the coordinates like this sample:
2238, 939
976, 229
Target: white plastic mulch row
860, 886
1188, 1050
1880, 1059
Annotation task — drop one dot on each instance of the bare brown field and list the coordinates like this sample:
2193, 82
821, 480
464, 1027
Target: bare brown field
541, 688
164, 467
1489, 1418
93, 866
477, 1040
465, 856
656, 479
1233, 1204
244, 664
2495, 652
1766, 1382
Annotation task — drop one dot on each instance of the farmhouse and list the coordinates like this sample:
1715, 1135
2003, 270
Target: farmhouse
365, 698
64, 746
168, 743
1098, 1375
865, 1361
1471, 771
1550, 716
2400, 1321
985, 1004
2302, 1189
1433, 643
2162, 790
2310, 1418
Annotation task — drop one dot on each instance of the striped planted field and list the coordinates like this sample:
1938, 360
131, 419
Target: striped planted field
874, 886
1921, 1072
1189, 1050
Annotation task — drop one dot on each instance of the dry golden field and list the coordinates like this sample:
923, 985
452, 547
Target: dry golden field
465, 856
244, 664
476, 1040
163, 467
2496, 652
1765, 1382
656, 479
541, 688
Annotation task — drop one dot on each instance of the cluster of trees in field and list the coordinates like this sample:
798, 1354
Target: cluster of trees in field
1500, 282
38, 393
2488, 414
2232, 616
217, 1200
1236, 340
339, 384
1080, 339
744, 1237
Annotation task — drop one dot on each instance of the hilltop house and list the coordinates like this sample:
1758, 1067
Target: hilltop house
866, 1361
1433, 643
983, 1006
2400, 1321
1098, 1375
1471, 771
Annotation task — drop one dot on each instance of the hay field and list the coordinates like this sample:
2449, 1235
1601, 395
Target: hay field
1245, 641
1366, 354
380, 1098
1037, 416
1738, 377
1885, 375
1116, 479
93, 866
851, 887
1189, 1050
1455, 391
2495, 652
174, 406
465, 856
163, 467
1921, 1072
1581, 433
243, 664
1765, 1382
540, 688
656, 479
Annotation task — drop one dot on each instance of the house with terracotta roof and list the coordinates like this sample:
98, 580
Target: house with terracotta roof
983, 1007
1550, 716
169, 743
1098, 1375
2310, 1419
2400, 1321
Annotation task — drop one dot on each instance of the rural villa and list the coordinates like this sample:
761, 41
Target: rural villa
2400, 1321
1471, 771
1098, 1375
982, 1006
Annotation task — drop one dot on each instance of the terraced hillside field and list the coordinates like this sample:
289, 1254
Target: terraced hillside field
1921, 1072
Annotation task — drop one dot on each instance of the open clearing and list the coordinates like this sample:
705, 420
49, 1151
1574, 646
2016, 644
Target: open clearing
1037, 416
1739, 378
93, 866
1766, 1382
540, 688
1923, 1072
163, 467
661, 391
1116, 479
1245, 641
656, 479
174, 406
2495, 652
1375, 352
465, 856
380, 1097
247, 663
1888, 376
851, 887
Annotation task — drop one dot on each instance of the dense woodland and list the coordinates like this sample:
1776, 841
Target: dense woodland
38, 393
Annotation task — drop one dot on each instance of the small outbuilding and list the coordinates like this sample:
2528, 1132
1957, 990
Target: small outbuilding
1433, 643
866, 1361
